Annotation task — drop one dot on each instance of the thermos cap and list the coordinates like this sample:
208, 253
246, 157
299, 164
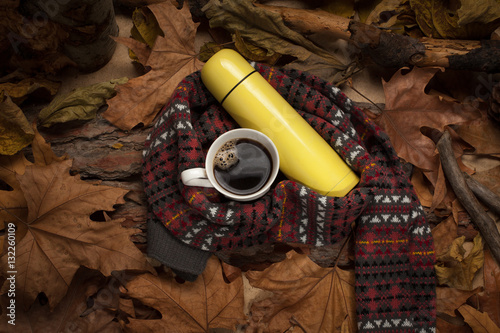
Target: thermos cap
223, 71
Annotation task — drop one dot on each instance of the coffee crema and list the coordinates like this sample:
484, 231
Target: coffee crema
248, 172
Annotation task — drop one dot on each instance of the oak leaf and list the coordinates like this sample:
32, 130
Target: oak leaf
409, 109
318, 299
199, 306
60, 235
172, 58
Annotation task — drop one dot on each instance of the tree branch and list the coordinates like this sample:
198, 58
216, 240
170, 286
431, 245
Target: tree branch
392, 50
488, 197
484, 223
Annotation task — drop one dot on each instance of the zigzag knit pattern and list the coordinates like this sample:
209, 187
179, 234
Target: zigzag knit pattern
394, 256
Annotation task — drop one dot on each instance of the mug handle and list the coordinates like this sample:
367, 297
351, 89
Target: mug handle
195, 177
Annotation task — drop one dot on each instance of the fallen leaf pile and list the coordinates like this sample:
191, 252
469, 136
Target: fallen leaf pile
75, 265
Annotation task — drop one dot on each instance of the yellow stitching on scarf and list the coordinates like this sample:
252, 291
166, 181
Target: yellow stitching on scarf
282, 213
177, 215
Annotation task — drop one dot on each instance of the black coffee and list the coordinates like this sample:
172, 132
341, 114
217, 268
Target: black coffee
251, 170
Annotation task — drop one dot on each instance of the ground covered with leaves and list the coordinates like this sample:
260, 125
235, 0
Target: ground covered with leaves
72, 211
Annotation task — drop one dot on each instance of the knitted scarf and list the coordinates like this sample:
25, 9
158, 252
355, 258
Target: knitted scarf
394, 257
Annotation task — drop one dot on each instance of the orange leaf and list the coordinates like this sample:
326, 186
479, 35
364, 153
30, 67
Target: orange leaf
172, 58
60, 235
198, 306
318, 299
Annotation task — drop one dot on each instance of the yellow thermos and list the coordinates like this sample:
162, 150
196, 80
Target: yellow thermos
305, 156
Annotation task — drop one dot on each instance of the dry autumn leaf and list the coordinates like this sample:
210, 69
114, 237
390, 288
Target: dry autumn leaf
409, 108
67, 315
450, 299
20, 91
444, 234
489, 300
482, 134
267, 30
459, 271
198, 306
15, 130
479, 322
171, 59
79, 104
60, 236
318, 299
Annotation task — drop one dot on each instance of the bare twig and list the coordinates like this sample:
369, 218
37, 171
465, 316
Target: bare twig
488, 197
452, 171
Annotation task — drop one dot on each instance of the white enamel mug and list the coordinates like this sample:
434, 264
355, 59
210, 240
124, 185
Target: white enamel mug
205, 177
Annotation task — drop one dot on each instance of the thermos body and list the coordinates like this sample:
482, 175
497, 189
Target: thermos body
305, 156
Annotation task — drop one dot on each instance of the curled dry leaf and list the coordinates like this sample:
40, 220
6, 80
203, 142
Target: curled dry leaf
438, 19
267, 30
198, 306
459, 271
59, 234
318, 299
80, 104
479, 321
489, 300
15, 130
450, 299
171, 59
20, 91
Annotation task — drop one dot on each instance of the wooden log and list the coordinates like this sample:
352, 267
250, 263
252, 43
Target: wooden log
392, 50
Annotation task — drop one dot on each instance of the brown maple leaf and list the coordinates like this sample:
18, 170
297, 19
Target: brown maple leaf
69, 315
171, 59
408, 109
198, 306
304, 294
59, 234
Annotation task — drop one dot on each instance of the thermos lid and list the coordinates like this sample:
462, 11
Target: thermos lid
223, 71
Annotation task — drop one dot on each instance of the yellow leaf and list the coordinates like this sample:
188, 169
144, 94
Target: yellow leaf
459, 271
146, 28
19, 91
15, 130
253, 52
80, 104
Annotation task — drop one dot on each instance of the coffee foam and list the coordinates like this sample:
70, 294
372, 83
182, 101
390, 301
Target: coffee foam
227, 155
